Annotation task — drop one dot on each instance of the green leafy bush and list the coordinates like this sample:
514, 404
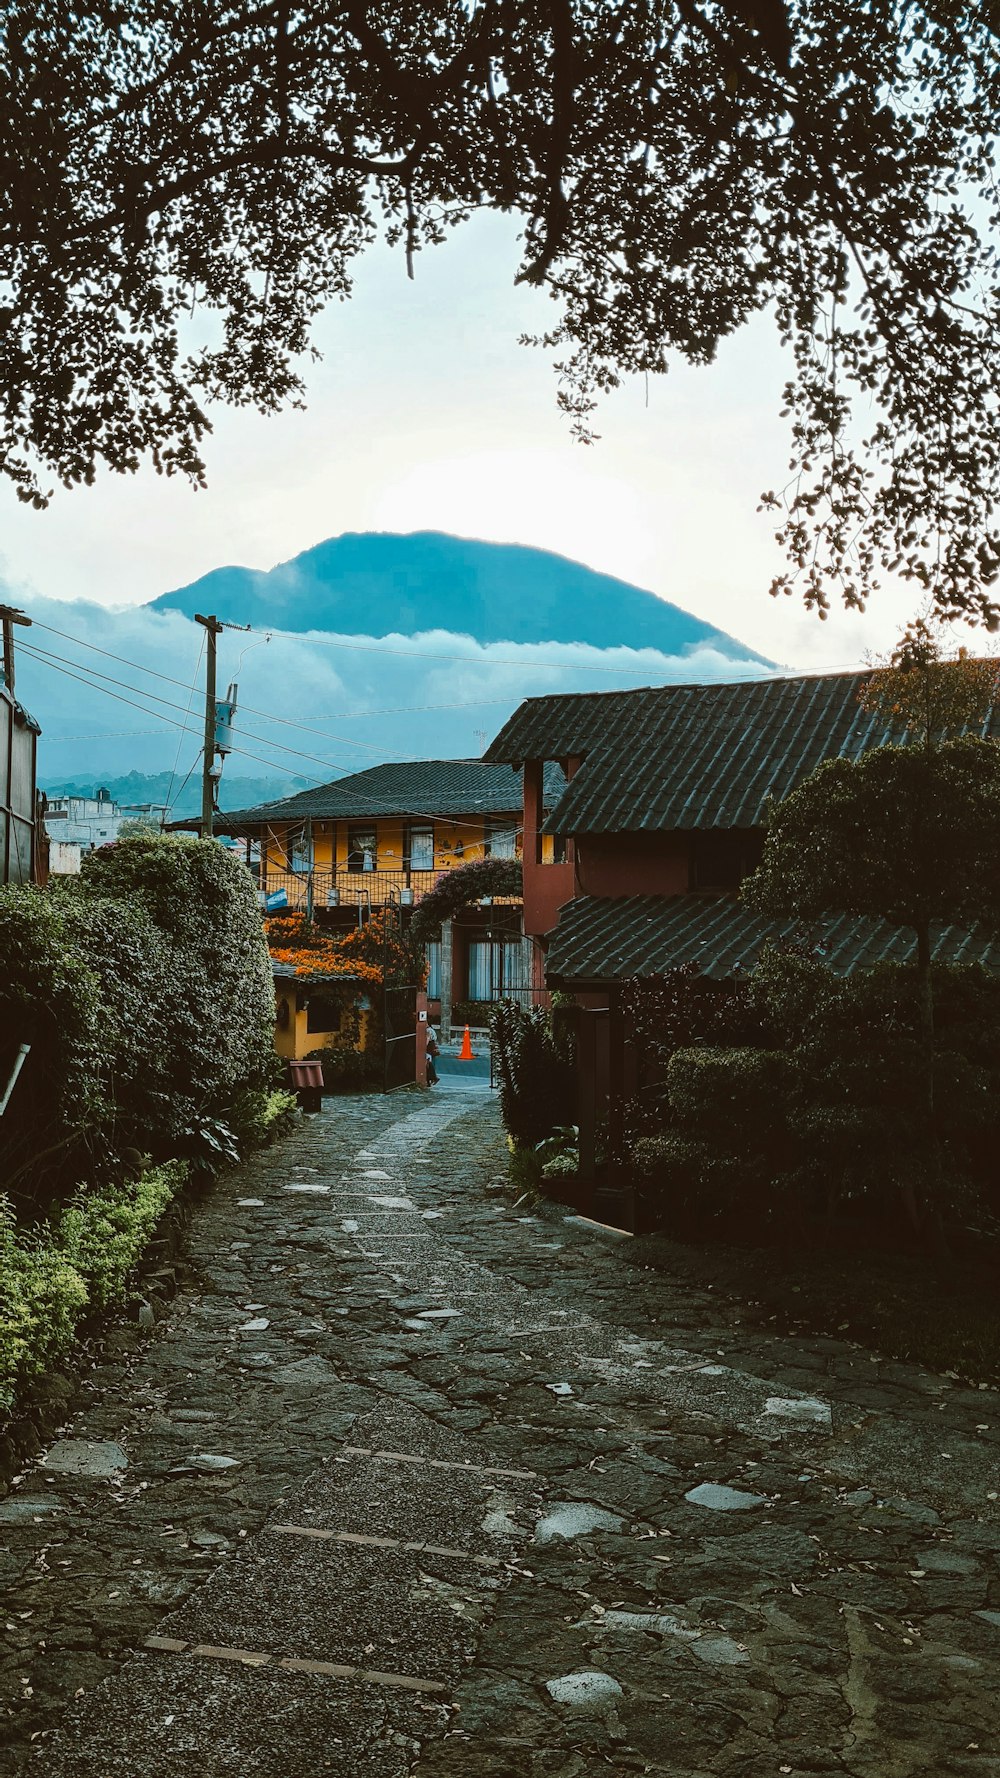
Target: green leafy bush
559, 1153
203, 905
103, 1234
83, 1260
257, 1118
61, 1116
534, 1059
821, 1120
471, 1012
144, 988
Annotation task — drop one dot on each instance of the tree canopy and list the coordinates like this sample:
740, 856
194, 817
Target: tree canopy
185, 186
458, 888
903, 834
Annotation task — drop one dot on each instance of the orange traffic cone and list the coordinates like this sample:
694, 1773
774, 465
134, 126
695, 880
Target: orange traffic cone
465, 1054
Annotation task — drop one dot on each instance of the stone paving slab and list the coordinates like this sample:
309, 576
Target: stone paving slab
842, 1615
190, 1718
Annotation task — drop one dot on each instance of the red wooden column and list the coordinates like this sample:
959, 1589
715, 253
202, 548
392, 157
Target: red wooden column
423, 1017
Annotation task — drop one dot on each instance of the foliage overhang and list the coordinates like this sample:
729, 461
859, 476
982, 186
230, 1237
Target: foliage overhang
458, 888
186, 188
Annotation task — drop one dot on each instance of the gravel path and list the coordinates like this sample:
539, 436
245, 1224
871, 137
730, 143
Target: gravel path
408, 1484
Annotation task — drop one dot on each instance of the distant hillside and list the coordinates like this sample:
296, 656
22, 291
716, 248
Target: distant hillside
136, 788
376, 583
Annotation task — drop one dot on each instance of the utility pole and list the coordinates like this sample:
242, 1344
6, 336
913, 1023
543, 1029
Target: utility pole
9, 615
212, 630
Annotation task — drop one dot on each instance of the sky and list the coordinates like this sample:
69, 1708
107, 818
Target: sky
425, 413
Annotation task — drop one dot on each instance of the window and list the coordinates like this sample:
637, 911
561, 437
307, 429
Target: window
500, 839
298, 851
322, 1014
420, 848
362, 848
496, 968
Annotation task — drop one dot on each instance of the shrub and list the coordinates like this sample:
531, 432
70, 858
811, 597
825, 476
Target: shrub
82, 1260
257, 1118
535, 1064
60, 1119
145, 990
203, 904
559, 1154
103, 1234
821, 1119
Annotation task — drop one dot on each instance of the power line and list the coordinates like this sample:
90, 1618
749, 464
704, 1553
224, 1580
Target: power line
374, 808
168, 679
180, 738
46, 658
170, 721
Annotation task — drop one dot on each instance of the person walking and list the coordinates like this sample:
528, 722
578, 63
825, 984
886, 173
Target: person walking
433, 1050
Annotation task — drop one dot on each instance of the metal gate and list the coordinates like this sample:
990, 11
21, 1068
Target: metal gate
399, 1017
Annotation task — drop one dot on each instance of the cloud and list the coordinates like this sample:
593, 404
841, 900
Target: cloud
123, 690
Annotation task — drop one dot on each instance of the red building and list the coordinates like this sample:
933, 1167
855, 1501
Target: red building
661, 818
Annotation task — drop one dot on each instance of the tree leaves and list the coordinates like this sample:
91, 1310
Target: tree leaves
185, 188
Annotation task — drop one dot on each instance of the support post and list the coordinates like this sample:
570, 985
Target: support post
212, 628
447, 955
10, 615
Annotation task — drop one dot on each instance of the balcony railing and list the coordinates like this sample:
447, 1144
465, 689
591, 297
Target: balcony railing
310, 892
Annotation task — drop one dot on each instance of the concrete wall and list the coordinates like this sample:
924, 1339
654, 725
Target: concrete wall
64, 857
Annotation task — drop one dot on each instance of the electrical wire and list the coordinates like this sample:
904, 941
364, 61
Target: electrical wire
312, 639
168, 679
184, 786
180, 738
46, 658
170, 721
375, 809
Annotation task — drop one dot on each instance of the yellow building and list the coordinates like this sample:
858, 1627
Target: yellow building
385, 835
316, 1013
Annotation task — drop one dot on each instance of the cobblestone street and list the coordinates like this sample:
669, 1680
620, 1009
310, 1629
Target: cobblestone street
408, 1483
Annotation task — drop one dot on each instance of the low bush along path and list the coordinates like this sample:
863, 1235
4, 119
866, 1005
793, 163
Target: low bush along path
409, 1482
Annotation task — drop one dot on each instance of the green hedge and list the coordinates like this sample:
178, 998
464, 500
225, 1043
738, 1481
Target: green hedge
822, 1120
144, 988
80, 1263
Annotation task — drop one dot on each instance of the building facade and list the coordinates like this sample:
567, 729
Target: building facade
385, 835
662, 815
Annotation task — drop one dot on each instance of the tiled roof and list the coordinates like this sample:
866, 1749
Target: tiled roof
431, 787
599, 940
689, 756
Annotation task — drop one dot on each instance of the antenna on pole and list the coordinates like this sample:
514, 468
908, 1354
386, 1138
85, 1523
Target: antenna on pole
212, 629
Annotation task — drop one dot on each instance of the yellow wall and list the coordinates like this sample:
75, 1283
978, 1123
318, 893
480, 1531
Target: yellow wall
466, 833
294, 1040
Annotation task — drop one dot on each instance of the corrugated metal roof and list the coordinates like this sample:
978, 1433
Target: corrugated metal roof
20, 712
424, 787
599, 940
697, 756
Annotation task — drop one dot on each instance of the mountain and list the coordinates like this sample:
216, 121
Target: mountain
134, 789
380, 583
